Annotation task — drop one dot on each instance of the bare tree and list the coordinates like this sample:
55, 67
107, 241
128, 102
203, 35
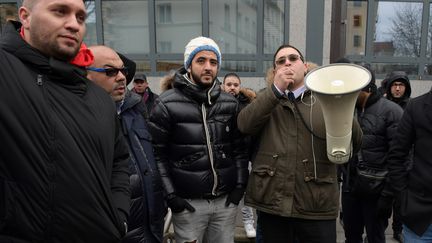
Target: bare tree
406, 29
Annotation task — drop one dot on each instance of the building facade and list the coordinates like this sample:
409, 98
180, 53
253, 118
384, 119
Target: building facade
390, 35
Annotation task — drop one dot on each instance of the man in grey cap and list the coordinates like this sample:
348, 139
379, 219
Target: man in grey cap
141, 87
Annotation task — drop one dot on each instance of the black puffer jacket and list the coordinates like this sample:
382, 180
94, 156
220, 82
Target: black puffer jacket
63, 160
378, 120
197, 144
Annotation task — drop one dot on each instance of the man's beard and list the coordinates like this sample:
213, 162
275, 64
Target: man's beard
197, 80
53, 49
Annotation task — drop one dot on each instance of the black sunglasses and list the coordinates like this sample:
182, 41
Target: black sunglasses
290, 57
110, 72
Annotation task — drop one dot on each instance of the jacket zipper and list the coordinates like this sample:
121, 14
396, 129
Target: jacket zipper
209, 147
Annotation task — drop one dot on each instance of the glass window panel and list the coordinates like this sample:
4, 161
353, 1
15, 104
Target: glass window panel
177, 22
356, 27
90, 38
398, 29
429, 38
235, 32
142, 66
125, 26
273, 25
238, 66
8, 11
386, 68
168, 65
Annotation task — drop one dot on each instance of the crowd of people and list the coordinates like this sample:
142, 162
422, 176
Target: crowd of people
86, 159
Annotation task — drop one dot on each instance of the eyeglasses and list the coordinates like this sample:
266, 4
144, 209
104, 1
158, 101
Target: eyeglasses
290, 57
110, 72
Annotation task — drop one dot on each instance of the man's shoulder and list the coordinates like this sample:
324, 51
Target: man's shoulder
226, 97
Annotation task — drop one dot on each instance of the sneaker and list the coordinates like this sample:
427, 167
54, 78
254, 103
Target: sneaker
398, 237
250, 230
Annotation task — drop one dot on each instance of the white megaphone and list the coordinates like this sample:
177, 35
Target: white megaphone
336, 86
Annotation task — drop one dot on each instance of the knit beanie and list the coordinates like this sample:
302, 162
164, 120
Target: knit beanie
200, 44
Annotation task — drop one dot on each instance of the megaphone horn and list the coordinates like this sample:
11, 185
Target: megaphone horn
336, 86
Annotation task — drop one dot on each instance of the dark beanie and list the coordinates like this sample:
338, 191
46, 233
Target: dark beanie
371, 87
130, 65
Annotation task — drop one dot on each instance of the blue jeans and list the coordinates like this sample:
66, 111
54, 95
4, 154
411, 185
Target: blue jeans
411, 237
211, 218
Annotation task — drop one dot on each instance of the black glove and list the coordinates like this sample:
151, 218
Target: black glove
234, 196
178, 204
384, 206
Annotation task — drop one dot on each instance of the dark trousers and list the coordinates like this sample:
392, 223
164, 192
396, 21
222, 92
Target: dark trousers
293, 230
359, 213
397, 219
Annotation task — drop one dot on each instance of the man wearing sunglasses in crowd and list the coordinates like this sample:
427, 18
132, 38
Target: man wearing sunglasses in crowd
63, 160
293, 185
113, 71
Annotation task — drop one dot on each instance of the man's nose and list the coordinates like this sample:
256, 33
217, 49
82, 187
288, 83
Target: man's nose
73, 24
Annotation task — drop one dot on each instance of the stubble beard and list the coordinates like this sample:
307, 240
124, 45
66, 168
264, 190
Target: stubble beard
197, 79
52, 48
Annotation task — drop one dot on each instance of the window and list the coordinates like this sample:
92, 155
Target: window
164, 46
357, 41
398, 29
273, 28
185, 23
125, 27
357, 21
357, 3
90, 38
240, 33
164, 13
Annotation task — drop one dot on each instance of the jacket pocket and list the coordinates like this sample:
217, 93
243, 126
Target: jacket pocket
264, 187
143, 134
320, 195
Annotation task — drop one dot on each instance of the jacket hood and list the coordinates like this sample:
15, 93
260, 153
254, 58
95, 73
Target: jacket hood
196, 92
70, 76
130, 100
246, 95
399, 76
167, 82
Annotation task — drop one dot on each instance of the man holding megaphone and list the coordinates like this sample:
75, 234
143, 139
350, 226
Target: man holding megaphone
293, 184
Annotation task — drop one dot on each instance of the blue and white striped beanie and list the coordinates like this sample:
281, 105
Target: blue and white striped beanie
200, 44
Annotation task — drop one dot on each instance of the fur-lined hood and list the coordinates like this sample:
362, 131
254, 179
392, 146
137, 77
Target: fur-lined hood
167, 81
247, 94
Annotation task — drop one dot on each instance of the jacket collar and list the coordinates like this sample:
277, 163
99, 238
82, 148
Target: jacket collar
70, 76
195, 92
130, 100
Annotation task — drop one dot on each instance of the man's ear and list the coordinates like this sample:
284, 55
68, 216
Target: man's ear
25, 18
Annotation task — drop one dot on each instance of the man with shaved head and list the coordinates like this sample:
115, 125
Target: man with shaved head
148, 209
63, 161
108, 72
